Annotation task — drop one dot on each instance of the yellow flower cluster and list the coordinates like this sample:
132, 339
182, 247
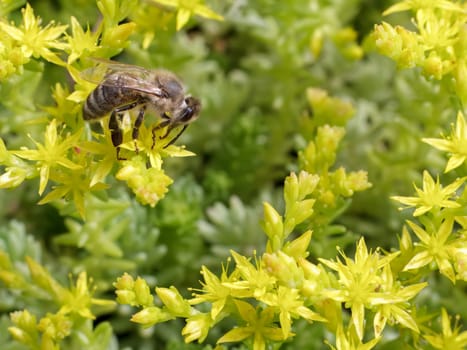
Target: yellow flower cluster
438, 45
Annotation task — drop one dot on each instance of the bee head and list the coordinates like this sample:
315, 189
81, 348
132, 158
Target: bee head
190, 112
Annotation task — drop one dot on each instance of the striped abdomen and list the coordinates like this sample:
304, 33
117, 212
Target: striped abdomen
105, 98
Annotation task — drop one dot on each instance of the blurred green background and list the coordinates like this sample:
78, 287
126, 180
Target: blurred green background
252, 72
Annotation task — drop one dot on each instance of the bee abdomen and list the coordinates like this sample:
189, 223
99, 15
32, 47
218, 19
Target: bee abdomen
103, 99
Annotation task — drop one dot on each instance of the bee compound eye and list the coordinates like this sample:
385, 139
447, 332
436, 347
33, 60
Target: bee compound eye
187, 114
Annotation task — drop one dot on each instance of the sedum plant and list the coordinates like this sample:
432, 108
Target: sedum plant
63, 156
296, 248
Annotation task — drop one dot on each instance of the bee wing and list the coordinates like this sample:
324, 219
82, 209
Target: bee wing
128, 80
106, 72
114, 66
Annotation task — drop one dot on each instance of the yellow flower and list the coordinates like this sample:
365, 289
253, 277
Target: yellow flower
214, 291
34, 40
435, 247
81, 43
456, 144
423, 4
360, 280
25, 329
149, 185
433, 195
53, 153
392, 304
188, 8
259, 325
451, 339
75, 184
256, 282
197, 327
437, 46
16, 171
155, 148
284, 268
348, 341
79, 299
55, 326
75, 300
290, 305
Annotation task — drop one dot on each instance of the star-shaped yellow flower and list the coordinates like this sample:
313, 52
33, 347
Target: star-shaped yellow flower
435, 247
53, 153
188, 8
455, 144
451, 339
259, 325
33, 39
433, 195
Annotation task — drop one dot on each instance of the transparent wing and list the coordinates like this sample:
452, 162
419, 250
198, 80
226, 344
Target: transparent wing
117, 74
94, 74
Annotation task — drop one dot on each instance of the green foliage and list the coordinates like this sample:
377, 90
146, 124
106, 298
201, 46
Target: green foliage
289, 90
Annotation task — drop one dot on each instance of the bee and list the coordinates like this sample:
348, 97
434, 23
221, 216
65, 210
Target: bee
125, 87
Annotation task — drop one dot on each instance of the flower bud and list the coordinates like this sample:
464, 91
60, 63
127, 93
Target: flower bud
387, 41
291, 189
460, 75
298, 248
151, 315
24, 320
316, 42
142, 293
127, 297
272, 224
174, 301
126, 282
197, 327
433, 66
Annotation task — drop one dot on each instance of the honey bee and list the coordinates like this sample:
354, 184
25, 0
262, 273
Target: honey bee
125, 87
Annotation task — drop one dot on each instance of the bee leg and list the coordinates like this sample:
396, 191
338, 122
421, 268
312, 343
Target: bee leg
114, 126
161, 125
176, 137
136, 126
115, 132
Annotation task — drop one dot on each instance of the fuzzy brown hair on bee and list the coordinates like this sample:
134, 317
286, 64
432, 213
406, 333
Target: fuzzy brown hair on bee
126, 87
